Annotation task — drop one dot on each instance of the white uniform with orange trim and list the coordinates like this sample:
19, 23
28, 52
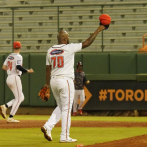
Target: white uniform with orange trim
61, 58
14, 81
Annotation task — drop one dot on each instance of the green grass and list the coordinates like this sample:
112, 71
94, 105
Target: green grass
85, 118
111, 118
33, 137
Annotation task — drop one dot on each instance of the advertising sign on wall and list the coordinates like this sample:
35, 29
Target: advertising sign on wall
116, 95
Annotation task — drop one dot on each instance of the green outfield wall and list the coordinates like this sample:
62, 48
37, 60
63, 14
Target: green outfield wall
97, 66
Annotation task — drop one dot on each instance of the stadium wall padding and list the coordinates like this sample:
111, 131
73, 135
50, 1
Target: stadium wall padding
122, 63
2, 80
141, 63
97, 66
96, 63
25, 80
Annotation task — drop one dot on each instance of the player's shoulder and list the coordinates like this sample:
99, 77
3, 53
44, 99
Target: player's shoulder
14, 55
19, 55
73, 44
75, 47
57, 49
9, 57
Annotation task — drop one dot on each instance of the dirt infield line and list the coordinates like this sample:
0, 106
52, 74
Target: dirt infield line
39, 123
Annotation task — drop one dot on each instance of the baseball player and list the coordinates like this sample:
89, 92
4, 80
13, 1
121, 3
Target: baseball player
13, 66
80, 81
60, 76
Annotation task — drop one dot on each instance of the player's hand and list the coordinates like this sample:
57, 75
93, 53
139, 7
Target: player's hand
105, 26
46, 85
30, 70
87, 82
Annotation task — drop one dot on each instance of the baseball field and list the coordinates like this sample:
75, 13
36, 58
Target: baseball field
91, 131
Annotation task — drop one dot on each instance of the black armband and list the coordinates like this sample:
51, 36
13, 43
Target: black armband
19, 67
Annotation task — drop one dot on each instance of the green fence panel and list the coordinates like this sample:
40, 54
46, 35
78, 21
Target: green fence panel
2, 80
25, 80
122, 63
96, 63
78, 58
141, 63
37, 80
111, 76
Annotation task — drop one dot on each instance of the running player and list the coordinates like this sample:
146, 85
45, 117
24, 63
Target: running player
13, 66
60, 76
80, 81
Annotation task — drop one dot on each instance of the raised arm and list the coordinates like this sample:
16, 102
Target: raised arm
90, 40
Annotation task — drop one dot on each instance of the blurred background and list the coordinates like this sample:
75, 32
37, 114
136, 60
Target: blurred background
35, 23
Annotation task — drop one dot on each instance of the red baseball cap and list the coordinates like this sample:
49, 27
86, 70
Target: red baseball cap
16, 45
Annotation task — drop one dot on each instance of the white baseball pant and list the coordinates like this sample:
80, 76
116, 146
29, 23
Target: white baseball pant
63, 90
14, 83
79, 94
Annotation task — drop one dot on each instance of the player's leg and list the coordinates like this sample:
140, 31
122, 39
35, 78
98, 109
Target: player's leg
66, 95
75, 103
3, 108
11, 84
10, 103
55, 116
82, 100
15, 85
52, 121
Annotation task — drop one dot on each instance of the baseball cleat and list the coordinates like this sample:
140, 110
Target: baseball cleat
74, 114
80, 112
3, 110
68, 140
12, 120
47, 133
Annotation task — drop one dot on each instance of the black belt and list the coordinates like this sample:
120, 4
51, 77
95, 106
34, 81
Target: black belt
19, 75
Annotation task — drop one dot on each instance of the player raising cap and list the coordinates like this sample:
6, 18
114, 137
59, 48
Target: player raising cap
60, 76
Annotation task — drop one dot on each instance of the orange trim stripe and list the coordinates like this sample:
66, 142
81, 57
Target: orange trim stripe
18, 94
68, 108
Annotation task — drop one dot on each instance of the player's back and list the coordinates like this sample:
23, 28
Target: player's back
61, 58
12, 61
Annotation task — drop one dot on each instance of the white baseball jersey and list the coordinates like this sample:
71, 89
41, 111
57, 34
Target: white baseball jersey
11, 62
61, 58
